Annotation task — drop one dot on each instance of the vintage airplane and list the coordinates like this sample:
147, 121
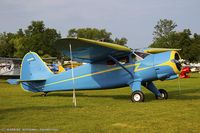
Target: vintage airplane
107, 66
10, 67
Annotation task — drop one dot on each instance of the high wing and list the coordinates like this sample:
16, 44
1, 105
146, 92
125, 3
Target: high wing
158, 50
90, 51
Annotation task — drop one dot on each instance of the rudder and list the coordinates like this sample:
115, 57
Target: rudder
33, 68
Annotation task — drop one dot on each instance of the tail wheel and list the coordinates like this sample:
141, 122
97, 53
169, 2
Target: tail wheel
137, 96
164, 94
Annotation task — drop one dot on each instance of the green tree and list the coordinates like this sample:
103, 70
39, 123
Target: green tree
189, 45
36, 37
7, 44
195, 47
163, 28
121, 41
96, 34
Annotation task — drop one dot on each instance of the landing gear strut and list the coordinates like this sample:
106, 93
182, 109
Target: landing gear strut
137, 96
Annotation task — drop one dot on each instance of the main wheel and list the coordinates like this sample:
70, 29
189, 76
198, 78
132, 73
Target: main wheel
137, 96
164, 94
44, 94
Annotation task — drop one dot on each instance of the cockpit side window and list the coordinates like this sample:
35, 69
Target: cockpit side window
122, 60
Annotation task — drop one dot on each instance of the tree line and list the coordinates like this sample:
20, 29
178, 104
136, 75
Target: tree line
165, 36
38, 38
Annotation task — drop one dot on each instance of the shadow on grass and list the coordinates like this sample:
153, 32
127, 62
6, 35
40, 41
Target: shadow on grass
38, 108
191, 78
189, 94
55, 94
176, 94
186, 94
79, 94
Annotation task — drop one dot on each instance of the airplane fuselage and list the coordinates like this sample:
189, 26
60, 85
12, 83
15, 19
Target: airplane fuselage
102, 75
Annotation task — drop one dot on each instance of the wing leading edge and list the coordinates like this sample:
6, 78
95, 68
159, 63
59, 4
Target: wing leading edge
90, 51
159, 50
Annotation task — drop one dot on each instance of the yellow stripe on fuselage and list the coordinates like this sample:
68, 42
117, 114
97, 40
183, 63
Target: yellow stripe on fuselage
87, 75
100, 72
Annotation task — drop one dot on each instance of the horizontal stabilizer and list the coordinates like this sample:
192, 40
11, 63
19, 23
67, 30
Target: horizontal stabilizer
17, 81
35, 80
13, 81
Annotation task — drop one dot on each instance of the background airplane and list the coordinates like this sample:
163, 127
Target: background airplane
10, 67
107, 66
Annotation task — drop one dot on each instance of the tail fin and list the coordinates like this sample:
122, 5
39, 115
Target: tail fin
33, 68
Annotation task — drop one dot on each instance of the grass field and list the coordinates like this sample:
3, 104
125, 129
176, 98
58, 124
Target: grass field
102, 110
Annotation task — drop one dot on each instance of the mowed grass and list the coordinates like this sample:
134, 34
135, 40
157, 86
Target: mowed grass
102, 110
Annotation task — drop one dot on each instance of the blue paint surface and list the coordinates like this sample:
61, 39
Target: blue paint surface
94, 76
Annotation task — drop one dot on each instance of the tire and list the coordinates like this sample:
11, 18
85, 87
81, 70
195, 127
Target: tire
164, 94
137, 96
44, 94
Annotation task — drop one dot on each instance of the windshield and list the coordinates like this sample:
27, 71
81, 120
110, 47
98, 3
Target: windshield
140, 55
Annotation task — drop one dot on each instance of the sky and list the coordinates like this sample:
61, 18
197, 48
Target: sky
133, 19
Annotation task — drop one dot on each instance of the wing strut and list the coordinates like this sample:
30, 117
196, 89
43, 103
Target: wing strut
74, 92
117, 62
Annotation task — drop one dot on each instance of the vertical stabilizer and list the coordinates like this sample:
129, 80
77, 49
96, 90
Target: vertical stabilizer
33, 68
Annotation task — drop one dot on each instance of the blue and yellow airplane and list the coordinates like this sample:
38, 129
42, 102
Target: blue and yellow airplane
106, 66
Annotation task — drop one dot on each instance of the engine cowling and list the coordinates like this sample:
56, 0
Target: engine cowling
167, 65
